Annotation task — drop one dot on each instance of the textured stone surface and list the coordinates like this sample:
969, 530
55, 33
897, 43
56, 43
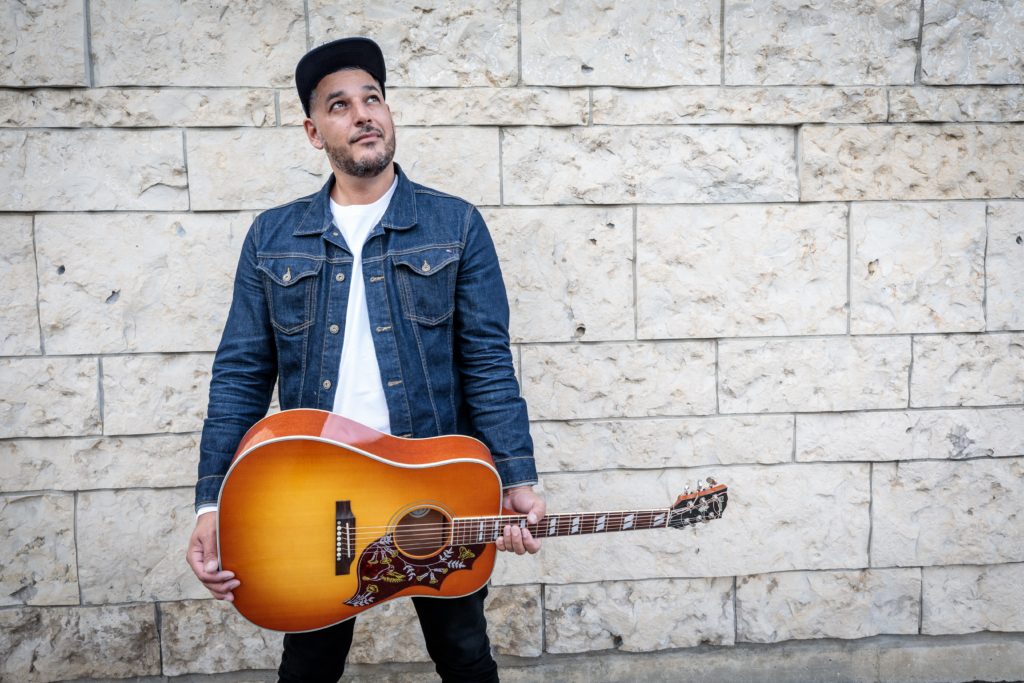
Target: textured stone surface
155, 393
970, 598
41, 43
938, 513
911, 161
968, 370
837, 604
257, 169
144, 107
997, 104
779, 518
650, 444
209, 636
972, 41
807, 375
911, 435
568, 271
784, 42
589, 42
742, 105
170, 292
489, 106
96, 463
38, 566
1004, 265
389, 633
131, 546
432, 42
196, 44
68, 643
646, 164
19, 317
48, 397
619, 380
727, 271
638, 616
515, 620
47, 170
917, 267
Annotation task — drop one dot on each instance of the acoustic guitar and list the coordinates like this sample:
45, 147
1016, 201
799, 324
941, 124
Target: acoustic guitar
322, 518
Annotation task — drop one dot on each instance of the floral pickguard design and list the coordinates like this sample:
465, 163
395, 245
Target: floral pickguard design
384, 570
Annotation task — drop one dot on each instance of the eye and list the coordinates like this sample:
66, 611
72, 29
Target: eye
336, 104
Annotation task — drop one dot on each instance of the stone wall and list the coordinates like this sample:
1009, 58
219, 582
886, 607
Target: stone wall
779, 242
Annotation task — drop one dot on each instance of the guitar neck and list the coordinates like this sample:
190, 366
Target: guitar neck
470, 530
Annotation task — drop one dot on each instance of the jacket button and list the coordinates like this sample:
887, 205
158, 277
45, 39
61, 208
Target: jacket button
340, 277
327, 384
334, 329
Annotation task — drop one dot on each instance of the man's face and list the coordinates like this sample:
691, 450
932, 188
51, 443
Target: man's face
350, 120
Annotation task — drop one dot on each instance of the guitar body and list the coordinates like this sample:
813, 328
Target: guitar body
321, 518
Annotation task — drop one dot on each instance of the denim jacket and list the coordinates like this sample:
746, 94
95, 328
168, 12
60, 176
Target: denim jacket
438, 312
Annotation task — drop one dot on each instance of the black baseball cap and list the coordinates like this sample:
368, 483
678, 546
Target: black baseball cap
344, 53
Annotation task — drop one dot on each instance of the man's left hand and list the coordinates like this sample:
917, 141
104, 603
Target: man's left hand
523, 500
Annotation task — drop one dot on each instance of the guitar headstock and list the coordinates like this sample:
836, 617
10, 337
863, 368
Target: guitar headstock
706, 503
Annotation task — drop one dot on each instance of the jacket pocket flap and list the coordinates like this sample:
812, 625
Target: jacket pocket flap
428, 261
287, 270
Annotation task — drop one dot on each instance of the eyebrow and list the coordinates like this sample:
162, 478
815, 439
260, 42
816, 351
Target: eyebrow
341, 93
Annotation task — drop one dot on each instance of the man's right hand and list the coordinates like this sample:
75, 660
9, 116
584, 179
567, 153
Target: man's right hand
202, 558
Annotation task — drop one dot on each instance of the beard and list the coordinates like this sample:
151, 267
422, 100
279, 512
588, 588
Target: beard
368, 167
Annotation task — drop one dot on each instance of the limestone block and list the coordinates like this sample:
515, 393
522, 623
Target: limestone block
939, 513
49, 397
972, 41
657, 443
92, 170
741, 105
784, 42
430, 43
131, 545
911, 435
135, 108
168, 291
642, 164
780, 518
515, 620
98, 463
568, 271
196, 44
41, 43
460, 161
638, 616
809, 375
1004, 265
938, 659
911, 161
389, 633
209, 636
155, 393
488, 106
830, 604
19, 317
38, 565
68, 643
587, 42
619, 380
996, 104
727, 271
971, 598
968, 370
917, 267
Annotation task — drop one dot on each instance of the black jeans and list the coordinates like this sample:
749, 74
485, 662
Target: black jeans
455, 631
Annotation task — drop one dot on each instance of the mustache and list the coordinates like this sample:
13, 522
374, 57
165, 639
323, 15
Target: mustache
366, 129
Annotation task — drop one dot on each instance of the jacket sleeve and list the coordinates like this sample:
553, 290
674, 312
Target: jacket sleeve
483, 357
244, 372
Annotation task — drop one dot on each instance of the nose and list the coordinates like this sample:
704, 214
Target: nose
361, 112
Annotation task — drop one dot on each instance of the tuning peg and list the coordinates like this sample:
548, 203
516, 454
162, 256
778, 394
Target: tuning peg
701, 485
711, 482
686, 490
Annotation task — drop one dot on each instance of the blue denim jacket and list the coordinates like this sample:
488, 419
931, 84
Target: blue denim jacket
438, 311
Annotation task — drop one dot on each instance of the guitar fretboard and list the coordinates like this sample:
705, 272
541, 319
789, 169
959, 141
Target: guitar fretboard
473, 530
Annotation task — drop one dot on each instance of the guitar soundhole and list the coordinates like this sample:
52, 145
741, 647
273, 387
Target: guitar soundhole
422, 532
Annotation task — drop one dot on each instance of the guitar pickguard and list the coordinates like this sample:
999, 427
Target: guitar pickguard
385, 571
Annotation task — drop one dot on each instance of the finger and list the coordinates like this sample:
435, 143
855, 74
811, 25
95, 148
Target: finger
531, 544
516, 537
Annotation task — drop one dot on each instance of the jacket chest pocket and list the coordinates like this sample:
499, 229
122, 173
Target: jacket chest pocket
290, 283
426, 284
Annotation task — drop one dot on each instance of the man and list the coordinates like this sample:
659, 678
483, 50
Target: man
382, 300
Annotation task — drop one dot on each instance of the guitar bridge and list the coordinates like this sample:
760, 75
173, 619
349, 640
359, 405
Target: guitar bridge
344, 537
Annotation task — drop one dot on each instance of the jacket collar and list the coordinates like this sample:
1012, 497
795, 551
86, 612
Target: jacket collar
400, 214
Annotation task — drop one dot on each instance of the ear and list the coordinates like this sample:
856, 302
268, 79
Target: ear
312, 134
